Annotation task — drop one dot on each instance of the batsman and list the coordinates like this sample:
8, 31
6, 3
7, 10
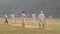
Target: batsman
42, 20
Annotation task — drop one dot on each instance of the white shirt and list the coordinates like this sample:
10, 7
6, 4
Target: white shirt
13, 15
13, 18
23, 15
41, 17
23, 18
33, 16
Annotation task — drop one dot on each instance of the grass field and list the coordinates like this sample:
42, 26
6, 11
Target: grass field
10, 29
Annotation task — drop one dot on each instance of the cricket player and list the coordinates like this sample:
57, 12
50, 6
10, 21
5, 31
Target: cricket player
6, 19
33, 18
23, 19
41, 18
13, 17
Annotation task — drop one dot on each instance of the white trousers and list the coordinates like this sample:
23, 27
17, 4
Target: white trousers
33, 21
13, 20
41, 24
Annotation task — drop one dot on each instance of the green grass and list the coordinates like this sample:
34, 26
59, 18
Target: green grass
28, 31
8, 29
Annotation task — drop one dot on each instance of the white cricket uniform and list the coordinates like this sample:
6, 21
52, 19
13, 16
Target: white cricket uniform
33, 18
41, 19
13, 18
23, 17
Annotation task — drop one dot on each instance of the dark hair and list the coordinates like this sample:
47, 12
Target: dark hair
12, 12
33, 12
23, 11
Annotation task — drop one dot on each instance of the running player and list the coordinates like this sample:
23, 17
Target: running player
6, 19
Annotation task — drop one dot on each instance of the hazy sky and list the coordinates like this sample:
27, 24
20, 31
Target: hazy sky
50, 6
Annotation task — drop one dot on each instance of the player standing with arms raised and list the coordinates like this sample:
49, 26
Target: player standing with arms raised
42, 19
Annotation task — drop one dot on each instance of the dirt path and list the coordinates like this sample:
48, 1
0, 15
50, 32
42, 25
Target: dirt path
30, 26
56, 23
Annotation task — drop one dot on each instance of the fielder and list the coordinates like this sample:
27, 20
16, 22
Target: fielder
23, 19
13, 17
6, 19
33, 18
41, 18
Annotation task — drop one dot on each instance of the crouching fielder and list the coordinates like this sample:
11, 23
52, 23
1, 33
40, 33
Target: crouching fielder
23, 19
13, 17
41, 18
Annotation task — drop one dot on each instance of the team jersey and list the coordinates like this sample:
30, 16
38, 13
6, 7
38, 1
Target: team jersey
13, 15
13, 18
23, 18
33, 16
41, 16
23, 15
